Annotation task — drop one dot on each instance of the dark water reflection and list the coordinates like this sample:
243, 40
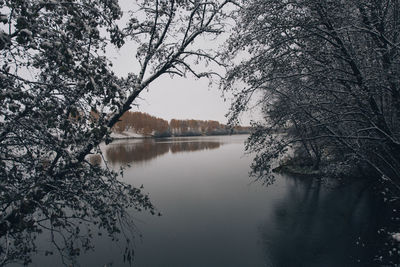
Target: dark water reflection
126, 152
214, 215
319, 225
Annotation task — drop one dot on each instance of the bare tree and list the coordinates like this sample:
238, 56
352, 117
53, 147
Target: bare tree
60, 98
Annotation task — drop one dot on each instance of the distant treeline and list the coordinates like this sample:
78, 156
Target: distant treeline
147, 125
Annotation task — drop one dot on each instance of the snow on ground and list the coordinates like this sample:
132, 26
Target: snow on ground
127, 134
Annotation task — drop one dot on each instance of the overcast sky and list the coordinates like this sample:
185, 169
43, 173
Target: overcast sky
179, 98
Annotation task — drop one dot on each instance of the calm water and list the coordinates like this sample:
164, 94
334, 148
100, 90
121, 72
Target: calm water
215, 215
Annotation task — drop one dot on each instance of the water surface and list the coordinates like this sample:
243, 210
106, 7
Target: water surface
213, 214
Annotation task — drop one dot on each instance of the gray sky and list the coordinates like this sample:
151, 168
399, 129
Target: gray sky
179, 98
184, 99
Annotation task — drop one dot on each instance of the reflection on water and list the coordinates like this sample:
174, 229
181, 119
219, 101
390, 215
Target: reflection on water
315, 225
148, 149
95, 159
213, 215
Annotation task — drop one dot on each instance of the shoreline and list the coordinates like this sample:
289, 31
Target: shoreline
173, 136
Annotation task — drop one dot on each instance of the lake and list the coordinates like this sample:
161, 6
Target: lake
213, 214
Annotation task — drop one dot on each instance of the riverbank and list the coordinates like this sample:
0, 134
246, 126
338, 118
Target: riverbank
130, 135
334, 169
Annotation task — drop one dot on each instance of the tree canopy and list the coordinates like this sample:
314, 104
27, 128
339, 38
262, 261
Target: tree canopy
60, 98
328, 73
